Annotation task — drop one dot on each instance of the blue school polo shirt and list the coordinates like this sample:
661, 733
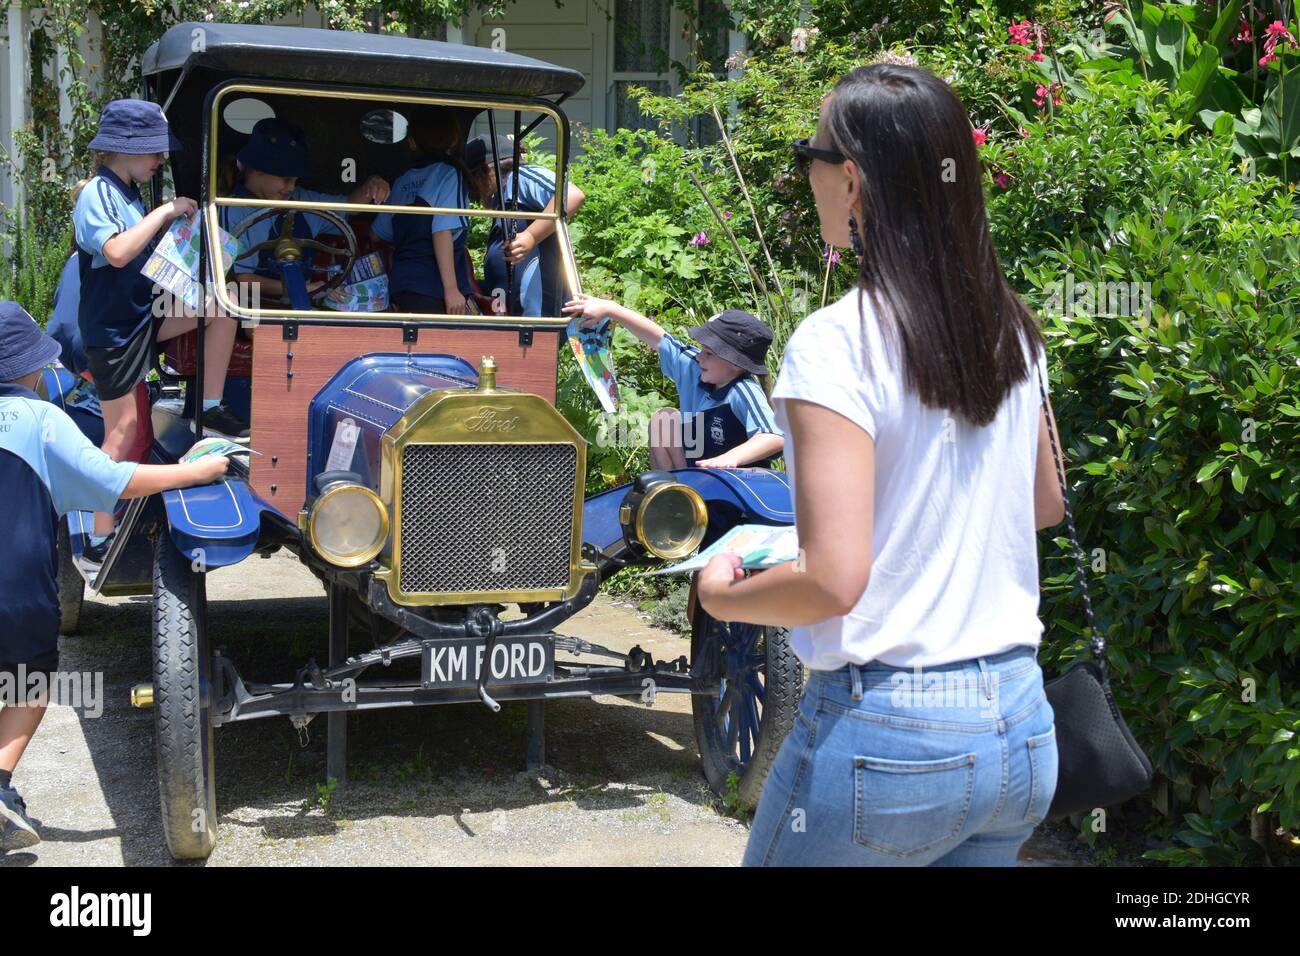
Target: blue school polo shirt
305, 226
414, 267
722, 418
539, 281
63, 327
47, 468
115, 303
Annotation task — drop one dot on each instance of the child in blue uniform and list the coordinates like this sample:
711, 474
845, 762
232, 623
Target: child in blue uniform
724, 419
120, 317
534, 251
430, 269
47, 468
269, 167
63, 327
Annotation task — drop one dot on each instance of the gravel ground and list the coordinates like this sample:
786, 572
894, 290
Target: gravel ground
433, 785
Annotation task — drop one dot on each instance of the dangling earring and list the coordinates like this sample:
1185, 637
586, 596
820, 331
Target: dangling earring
855, 240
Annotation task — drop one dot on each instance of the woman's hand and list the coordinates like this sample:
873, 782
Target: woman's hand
456, 303
714, 581
519, 250
181, 206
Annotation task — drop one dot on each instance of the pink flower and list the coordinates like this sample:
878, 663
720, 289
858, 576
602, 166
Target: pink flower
1024, 133
1111, 7
1025, 33
1003, 180
700, 239
1244, 34
832, 254
980, 134
1041, 93
1275, 33
726, 214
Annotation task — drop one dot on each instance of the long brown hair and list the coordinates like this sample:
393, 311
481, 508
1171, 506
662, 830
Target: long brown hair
928, 262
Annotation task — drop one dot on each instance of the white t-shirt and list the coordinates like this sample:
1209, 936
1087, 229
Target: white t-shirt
954, 570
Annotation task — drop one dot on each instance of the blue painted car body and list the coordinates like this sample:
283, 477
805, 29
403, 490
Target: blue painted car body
732, 495
374, 392
222, 524
217, 524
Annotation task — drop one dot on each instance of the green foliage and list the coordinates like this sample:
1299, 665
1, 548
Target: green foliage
321, 798
1177, 414
30, 274
732, 805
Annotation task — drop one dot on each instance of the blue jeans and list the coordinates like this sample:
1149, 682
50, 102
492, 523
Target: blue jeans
947, 766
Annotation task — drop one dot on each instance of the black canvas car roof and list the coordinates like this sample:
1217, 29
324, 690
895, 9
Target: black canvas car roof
360, 59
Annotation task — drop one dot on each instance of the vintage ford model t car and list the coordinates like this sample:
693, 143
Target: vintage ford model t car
416, 463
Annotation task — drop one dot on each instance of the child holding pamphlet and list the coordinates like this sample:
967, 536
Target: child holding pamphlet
724, 419
119, 317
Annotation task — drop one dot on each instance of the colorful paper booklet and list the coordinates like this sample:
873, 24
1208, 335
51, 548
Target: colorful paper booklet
591, 347
174, 264
759, 546
215, 446
366, 289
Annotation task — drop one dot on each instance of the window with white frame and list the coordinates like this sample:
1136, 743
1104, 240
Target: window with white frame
646, 36
642, 39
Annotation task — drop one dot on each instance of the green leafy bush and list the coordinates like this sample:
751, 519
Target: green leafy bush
30, 273
1178, 411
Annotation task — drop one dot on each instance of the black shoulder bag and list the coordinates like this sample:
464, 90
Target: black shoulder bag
1100, 763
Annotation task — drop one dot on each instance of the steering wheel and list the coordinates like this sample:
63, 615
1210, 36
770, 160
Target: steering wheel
288, 247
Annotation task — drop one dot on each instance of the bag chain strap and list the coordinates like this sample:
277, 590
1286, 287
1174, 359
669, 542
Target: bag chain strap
1097, 643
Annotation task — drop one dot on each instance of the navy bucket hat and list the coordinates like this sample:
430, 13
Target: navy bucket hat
478, 151
24, 348
737, 336
278, 148
134, 126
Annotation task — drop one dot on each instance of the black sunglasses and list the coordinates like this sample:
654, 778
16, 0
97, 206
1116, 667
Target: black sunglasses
805, 153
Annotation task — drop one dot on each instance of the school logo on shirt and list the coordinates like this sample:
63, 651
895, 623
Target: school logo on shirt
716, 429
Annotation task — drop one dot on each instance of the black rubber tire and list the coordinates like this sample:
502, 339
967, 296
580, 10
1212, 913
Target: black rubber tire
182, 705
782, 676
72, 586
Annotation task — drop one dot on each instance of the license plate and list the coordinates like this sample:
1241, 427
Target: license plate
514, 660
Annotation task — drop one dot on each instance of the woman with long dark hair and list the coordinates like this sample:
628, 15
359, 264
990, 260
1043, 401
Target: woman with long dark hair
921, 470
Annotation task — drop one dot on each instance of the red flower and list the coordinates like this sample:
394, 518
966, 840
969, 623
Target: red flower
980, 135
1274, 34
1041, 94
1019, 33
1003, 180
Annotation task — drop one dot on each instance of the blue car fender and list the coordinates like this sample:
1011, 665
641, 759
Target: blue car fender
214, 525
732, 496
